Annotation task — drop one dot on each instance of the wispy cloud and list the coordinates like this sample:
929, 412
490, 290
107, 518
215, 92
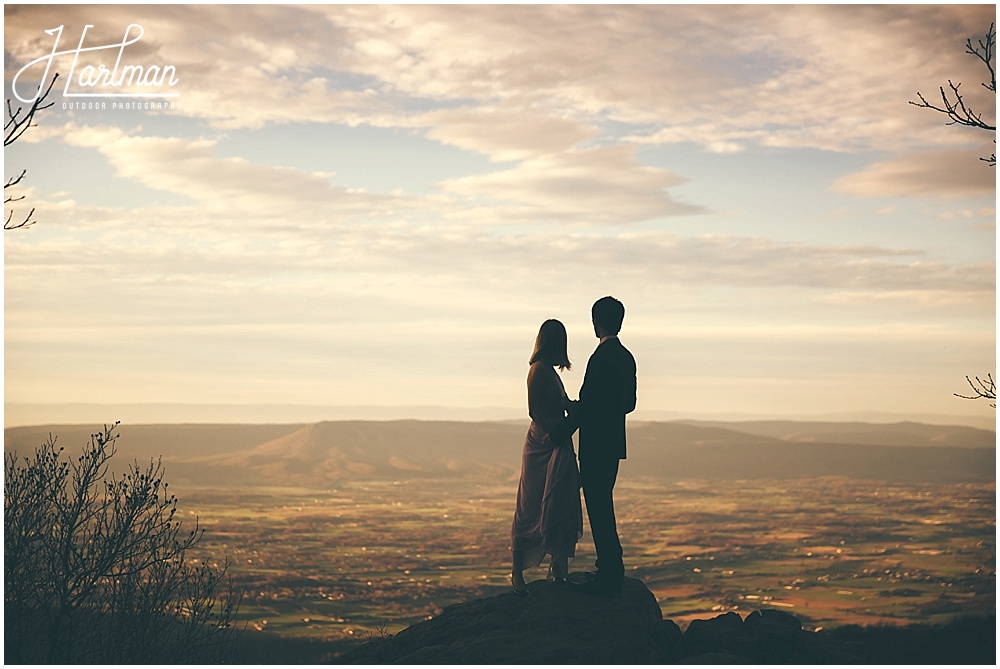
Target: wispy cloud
354, 257
603, 185
184, 167
943, 174
505, 134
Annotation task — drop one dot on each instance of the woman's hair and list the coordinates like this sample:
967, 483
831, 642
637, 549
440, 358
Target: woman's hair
551, 344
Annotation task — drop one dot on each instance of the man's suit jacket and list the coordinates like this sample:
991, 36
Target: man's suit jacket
607, 394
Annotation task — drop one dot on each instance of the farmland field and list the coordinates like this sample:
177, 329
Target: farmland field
370, 558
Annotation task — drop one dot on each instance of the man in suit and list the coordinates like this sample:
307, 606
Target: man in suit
607, 395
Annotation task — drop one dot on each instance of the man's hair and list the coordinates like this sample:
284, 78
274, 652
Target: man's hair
609, 314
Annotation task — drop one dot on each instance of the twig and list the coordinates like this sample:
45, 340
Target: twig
984, 390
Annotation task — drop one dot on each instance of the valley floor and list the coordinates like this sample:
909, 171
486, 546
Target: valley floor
368, 559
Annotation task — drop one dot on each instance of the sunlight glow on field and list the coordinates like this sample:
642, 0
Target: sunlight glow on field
383, 555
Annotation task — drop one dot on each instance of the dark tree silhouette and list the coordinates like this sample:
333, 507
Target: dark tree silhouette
981, 390
95, 569
18, 121
954, 106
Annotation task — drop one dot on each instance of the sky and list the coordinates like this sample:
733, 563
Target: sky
321, 208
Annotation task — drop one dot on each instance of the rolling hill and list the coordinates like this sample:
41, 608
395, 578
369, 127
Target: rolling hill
321, 454
907, 434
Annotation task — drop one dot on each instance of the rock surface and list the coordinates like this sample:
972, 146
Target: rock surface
554, 625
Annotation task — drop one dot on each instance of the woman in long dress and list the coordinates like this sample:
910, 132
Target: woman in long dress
549, 517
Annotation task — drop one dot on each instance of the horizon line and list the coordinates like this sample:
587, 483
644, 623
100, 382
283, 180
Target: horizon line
27, 414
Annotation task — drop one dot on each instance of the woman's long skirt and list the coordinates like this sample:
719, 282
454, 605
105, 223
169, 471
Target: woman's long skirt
549, 517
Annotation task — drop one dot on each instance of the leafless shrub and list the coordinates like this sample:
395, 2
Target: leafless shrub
95, 569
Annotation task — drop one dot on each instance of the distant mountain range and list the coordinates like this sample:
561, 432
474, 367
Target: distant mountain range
17, 414
322, 454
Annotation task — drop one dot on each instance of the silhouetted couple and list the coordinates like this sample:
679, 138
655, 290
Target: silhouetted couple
549, 519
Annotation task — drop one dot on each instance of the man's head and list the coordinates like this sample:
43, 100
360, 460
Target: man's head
607, 314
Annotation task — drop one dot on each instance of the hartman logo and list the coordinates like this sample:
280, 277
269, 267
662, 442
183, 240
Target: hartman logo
100, 71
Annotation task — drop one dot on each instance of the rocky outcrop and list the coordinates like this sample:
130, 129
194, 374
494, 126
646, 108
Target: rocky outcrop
767, 636
554, 625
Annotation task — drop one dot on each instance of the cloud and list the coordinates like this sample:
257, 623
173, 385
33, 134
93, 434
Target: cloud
238, 67
941, 174
602, 185
596, 186
742, 261
504, 134
411, 260
986, 215
585, 187
228, 186
922, 301
829, 77
725, 77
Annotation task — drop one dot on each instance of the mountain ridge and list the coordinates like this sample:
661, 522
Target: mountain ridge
26, 414
900, 433
321, 454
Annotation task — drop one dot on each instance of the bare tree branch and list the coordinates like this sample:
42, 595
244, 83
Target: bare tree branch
13, 181
9, 224
18, 121
953, 105
957, 111
982, 389
985, 53
16, 124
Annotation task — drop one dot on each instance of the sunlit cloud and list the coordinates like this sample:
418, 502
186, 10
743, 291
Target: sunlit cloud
790, 76
229, 185
943, 174
391, 258
987, 215
603, 185
505, 134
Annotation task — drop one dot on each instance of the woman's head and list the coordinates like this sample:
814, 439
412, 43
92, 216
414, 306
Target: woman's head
551, 345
